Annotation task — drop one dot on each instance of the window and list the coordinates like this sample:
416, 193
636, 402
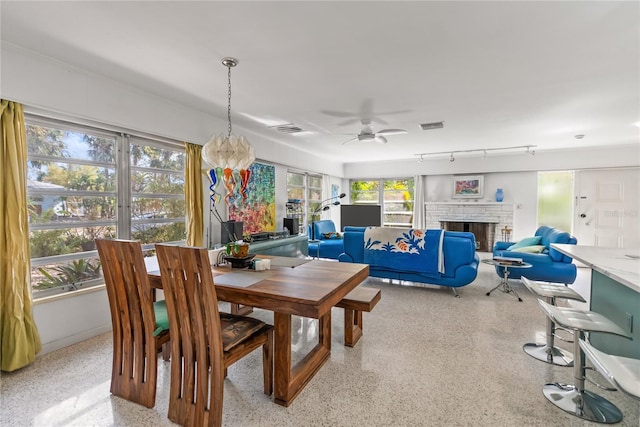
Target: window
555, 199
307, 188
396, 196
398, 203
314, 195
85, 183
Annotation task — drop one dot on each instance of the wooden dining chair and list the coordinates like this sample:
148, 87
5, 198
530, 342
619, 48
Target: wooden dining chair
204, 342
137, 337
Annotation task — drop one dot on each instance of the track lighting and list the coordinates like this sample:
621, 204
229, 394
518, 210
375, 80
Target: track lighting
529, 149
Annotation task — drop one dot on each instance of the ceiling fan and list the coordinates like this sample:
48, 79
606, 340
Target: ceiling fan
368, 135
366, 112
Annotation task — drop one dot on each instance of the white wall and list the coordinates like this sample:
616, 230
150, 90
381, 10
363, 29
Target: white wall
516, 174
520, 189
68, 319
588, 158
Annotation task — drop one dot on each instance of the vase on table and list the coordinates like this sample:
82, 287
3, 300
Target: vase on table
499, 195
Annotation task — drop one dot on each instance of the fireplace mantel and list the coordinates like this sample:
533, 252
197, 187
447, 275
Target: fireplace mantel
487, 219
483, 220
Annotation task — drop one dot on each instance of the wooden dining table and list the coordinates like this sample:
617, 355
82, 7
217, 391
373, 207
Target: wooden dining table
307, 288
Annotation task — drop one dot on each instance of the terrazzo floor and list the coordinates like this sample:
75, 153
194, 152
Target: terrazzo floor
426, 359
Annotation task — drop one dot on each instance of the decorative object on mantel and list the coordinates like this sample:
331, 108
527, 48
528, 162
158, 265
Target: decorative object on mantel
229, 156
499, 195
506, 234
468, 187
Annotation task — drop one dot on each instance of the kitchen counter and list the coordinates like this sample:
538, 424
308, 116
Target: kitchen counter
615, 263
615, 293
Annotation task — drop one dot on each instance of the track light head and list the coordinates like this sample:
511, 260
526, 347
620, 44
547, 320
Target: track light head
452, 159
421, 159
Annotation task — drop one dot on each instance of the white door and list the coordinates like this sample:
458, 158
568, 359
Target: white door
607, 208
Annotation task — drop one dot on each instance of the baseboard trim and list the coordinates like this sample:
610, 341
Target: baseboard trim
74, 339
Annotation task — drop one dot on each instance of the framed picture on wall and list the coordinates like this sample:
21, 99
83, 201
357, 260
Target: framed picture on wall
468, 187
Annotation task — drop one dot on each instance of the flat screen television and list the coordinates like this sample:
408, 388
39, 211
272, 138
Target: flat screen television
360, 215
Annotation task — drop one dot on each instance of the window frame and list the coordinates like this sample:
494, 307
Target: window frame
308, 204
381, 200
121, 195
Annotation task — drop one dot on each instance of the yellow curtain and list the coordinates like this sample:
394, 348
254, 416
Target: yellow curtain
193, 195
19, 336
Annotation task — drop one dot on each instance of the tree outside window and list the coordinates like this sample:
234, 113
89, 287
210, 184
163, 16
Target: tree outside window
73, 198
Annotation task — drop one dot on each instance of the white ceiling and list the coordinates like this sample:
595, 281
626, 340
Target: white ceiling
499, 74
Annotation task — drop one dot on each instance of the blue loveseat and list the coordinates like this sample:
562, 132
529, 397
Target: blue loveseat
331, 245
547, 264
460, 261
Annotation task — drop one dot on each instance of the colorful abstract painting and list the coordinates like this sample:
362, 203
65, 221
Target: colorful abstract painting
258, 211
468, 187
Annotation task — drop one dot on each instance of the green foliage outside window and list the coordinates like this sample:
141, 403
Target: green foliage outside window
73, 197
160, 233
72, 274
396, 198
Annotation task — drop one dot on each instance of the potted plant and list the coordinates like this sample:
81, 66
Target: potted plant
238, 249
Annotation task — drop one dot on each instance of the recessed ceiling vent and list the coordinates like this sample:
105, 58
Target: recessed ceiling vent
287, 128
433, 125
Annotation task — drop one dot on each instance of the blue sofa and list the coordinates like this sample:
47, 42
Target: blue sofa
331, 245
549, 265
458, 249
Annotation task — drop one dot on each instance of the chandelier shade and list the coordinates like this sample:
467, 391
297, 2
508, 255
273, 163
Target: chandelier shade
228, 152
228, 156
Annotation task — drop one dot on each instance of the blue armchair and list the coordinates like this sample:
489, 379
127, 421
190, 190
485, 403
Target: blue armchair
331, 245
548, 265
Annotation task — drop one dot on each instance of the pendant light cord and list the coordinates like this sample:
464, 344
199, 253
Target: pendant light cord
229, 100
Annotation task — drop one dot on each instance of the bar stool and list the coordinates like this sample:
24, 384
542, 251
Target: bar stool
548, 352
574, 399
622, 372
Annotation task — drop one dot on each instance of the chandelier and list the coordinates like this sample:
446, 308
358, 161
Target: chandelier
229, 156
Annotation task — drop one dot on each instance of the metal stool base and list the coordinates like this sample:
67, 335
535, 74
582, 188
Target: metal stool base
506, 288
586, 405
552, 355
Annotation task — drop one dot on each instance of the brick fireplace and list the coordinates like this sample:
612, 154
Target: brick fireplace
484, 220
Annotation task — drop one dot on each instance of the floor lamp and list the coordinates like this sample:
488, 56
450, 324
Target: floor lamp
324, 205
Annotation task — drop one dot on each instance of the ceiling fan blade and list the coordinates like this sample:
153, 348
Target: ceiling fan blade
349, 122
391, 132
378, 120
350, 140
339, 113
388, 113
381, 139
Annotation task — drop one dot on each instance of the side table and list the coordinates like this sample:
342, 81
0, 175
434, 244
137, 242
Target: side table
504, 280
318, 243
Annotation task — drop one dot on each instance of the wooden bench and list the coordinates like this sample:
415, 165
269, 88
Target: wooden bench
358, 300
